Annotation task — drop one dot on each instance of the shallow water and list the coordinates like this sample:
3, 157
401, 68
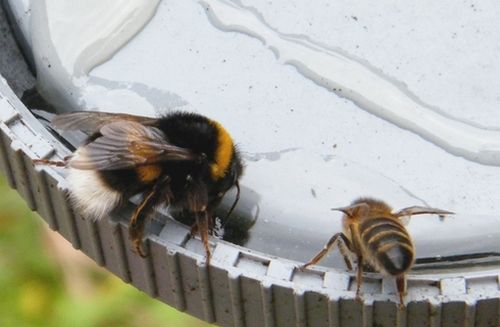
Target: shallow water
320, 122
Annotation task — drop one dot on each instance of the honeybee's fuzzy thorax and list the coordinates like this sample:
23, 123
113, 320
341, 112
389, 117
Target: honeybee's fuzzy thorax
377, 207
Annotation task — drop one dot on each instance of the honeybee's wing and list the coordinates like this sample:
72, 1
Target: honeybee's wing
128, 144
355, 210
91, 121
416, 210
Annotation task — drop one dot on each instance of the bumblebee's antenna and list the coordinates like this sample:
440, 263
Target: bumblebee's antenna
234, 203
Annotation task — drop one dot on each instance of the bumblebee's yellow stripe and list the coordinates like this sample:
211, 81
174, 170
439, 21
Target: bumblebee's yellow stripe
223, 153
148, 173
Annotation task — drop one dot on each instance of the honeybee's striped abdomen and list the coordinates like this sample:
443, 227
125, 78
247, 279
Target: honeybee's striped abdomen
388, 243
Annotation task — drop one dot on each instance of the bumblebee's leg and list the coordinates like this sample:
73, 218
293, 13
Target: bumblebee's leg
197, 203
359, 277
193, 230
202, 222
339, 237
401, 286
211, 224
138, 221
192, 188
159, 193
48, 162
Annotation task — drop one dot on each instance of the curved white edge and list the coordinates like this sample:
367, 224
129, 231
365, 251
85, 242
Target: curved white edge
19, 12
239, 285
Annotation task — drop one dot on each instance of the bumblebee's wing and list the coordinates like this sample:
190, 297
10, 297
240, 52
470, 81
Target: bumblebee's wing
128, 144
416, 210
92, 121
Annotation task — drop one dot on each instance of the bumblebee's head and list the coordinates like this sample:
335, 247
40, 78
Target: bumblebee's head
223, 155
218, 156
232, 179
222, 184
226, 167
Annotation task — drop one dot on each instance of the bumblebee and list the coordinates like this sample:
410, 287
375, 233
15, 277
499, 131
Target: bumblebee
377, 237
183, 160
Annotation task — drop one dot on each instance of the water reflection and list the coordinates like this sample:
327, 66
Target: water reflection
245, 215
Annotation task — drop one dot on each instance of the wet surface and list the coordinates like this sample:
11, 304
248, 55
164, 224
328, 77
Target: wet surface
319, 121
12, 64
365, 85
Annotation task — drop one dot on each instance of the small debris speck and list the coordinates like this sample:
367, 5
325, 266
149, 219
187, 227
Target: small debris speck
313, 192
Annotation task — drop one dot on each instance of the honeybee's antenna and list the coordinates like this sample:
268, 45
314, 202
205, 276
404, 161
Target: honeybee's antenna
234, 203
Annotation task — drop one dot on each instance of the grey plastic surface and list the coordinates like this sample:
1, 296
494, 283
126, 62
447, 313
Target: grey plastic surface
240, 287
308, 148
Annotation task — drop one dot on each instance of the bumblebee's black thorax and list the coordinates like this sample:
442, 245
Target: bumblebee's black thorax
191, 131
196, 133
203, 137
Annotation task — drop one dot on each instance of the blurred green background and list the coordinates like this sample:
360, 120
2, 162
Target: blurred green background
45, 282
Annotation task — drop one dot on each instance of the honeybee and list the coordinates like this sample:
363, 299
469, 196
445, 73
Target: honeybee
377, 237
184, 160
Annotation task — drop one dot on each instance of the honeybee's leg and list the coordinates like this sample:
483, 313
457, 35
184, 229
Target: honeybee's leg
401, 286
344, 253
339, 237
359, 277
